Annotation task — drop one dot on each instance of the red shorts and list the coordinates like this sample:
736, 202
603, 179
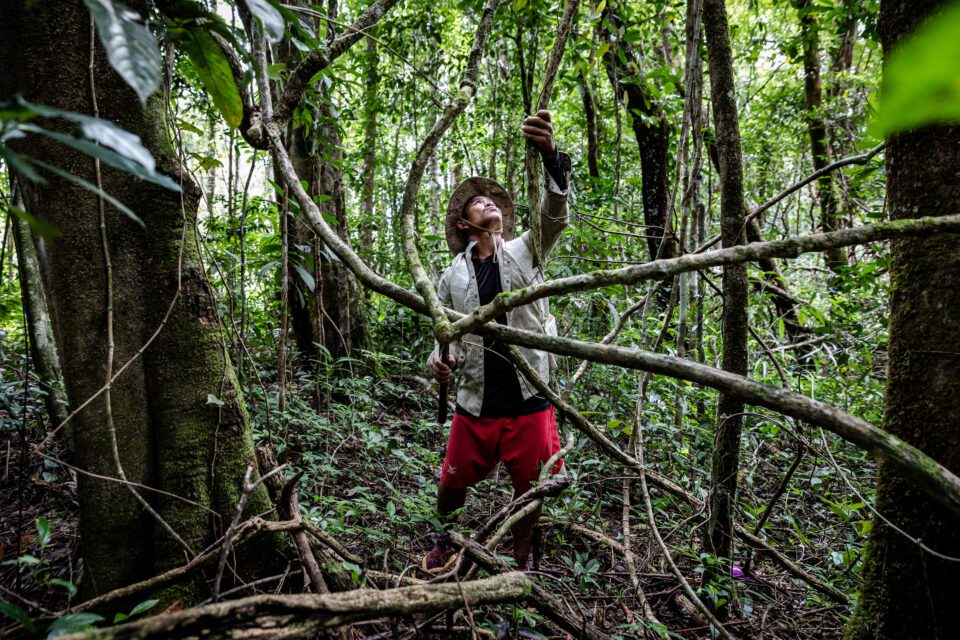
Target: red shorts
524, 444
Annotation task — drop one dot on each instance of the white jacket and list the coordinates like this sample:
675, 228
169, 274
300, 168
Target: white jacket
457, 289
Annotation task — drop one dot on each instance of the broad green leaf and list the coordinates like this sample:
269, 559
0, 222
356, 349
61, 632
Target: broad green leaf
71, 623
146, 605
270, 17
123, 142
215, 73
44, 531
131, 48
91, 187
921, 78
306, 277
212, 399
18, 615
186, 126
114, 159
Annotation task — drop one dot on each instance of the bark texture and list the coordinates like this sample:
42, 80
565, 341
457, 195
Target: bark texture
168, 435
726, 453
907, 592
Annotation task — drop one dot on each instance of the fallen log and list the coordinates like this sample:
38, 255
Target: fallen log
313, 615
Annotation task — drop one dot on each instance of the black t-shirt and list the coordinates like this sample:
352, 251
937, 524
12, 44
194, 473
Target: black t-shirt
502, 395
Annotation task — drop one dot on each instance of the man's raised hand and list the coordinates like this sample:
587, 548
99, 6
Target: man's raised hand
539, 132
441, 372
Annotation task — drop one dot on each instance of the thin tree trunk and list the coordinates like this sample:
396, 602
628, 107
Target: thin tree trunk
909, 592
817, 128
590, 115
371, 106
43, 349
726, 454
652, 132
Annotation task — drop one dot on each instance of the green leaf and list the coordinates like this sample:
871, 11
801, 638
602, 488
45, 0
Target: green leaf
44, 531
214, 71
114, 159
131, 48
270, 17
921, 78
41, 228
212, 399
18, 615
71, 623
306, 277
186, 126
146, 605
66, 584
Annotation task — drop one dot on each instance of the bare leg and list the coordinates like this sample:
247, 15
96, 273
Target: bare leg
523, 531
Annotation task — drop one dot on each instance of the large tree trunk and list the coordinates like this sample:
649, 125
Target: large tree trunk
817, 128
168, 435
726, 453
908, 592
43, 348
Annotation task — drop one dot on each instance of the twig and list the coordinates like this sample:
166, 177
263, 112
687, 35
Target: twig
541, 599
247, 488
861, 160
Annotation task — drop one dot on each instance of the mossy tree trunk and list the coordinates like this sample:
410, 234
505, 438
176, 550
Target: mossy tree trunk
168, 435
907, 592
726, 452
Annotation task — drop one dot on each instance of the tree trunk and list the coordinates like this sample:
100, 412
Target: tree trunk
168, 435
817, 128
371, 105
652, 132
726, 454
43, 348
907, 592
331, 314
590, 114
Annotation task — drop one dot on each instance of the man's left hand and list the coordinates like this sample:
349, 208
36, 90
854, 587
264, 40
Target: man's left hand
539, 132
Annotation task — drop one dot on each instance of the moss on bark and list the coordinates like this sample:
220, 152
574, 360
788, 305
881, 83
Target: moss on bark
907, 592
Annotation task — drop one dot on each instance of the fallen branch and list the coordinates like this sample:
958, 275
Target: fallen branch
309, 615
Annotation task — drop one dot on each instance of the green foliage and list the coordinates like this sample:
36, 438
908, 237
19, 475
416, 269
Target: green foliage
131, 48
214, 70
921, 80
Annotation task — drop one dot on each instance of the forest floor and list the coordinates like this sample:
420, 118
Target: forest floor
371, 467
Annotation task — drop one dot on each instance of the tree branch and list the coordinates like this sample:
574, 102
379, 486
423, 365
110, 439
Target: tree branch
319, 59
660, 269
468, 86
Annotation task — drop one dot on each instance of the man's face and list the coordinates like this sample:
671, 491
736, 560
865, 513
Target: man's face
483, 212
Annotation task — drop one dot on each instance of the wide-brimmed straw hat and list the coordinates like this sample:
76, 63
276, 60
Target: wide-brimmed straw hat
477, 186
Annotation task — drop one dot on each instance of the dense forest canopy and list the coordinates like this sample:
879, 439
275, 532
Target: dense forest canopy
225, 265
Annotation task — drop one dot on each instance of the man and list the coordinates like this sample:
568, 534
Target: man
499, 415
